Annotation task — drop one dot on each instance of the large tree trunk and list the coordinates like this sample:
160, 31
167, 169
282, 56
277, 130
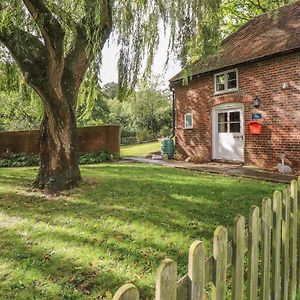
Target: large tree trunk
58, 150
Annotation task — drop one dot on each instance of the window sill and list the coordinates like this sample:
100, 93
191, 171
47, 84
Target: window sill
226, 92
188, 128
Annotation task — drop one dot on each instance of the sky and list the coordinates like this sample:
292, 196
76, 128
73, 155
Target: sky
109, 70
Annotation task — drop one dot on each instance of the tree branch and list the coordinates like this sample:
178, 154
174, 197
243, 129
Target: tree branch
29, 53
51, 29
53, 35
78, 60
258, 5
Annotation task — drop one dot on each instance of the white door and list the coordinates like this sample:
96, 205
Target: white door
228, 133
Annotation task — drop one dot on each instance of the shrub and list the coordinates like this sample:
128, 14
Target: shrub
166, 131
143, 135
94, 158
19, 160
23, 160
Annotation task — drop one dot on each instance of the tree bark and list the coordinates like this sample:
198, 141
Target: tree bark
58, 151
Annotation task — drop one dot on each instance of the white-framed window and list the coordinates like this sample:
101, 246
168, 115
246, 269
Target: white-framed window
226, 81
188, 120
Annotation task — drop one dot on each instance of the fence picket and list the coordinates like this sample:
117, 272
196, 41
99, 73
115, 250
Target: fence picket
166, 281
197, 271
293, 245
220, 256
183, 288
278, 231
286, 245
238, 258
253, 252
276, 246
127, 292
266, 217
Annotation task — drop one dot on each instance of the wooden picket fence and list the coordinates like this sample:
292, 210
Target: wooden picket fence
261, 261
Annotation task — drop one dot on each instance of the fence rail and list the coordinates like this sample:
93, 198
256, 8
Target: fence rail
261, 261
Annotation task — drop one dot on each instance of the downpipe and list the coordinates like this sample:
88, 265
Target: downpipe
173, 113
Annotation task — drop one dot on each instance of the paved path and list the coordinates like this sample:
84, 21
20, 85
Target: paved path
219, 168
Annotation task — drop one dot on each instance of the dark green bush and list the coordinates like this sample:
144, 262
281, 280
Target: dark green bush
94, 158
19, 160
23, 160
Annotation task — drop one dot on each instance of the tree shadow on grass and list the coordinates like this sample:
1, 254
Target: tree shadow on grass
44, 267
132, 216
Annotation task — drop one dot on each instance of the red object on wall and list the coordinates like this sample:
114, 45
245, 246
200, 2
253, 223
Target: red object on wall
255, 127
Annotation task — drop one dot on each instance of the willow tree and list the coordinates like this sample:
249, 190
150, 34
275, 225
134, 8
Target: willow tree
56, 42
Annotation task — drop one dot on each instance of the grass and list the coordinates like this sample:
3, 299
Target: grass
140, 150
115, 228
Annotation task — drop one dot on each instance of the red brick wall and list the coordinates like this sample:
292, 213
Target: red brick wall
280, 108
91, 139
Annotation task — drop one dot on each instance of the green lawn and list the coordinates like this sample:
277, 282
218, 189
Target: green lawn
117, 227
140, 150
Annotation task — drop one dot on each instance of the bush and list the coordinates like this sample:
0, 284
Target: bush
143, 136
19, 160
165, 131
94, 158
23, 160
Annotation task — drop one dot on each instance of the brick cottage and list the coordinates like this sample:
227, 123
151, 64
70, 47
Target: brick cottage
243, 104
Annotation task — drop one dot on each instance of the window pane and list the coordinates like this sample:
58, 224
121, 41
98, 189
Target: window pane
222, 117
222, 127
188, 120
220, 82
235, 127
231, 76
235, 116
232, 82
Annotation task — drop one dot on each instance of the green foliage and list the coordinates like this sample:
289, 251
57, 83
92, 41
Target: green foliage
18, 112
144, 135
94, 158
145, 115
116, 227
10, 77
150, 110
120, 115
23, 160
96, 114
237, 12
110, 90
19, 160
20, 107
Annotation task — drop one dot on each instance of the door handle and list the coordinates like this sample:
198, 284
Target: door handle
239, 137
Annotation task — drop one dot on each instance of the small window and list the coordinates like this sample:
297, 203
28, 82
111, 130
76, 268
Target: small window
226, 82
188, 120
222, 122
220, 83
234, 119
229, 122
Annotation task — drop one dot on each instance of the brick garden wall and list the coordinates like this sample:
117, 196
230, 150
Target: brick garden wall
91, 139
280, 108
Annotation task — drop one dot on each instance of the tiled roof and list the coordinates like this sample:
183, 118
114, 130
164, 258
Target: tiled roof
263, 36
